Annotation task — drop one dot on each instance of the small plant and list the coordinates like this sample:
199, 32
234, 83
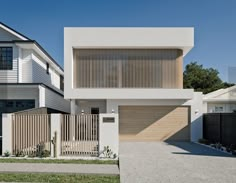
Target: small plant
204, 141
233, 149
218, 146
45, 153
7, 154
19, 153
107, 152
32, 154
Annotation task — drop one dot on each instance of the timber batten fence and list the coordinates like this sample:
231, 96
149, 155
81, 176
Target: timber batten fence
30, 133
80, 135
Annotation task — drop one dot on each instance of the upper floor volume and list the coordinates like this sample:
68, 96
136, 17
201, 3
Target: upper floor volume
23, 60
127, 58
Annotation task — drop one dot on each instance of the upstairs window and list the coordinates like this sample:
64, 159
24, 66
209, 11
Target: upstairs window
6, 58
61, 83
47, 71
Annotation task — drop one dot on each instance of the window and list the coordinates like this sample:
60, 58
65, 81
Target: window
6, 58
219, 109
47, 71
61, 83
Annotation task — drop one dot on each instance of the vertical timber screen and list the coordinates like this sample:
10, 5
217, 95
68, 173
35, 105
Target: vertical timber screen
79, 135
30, 134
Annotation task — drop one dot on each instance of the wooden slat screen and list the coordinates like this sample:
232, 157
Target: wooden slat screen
79, 135
117, 68
29, 131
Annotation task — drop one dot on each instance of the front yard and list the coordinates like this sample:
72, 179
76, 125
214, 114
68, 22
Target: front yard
57, 178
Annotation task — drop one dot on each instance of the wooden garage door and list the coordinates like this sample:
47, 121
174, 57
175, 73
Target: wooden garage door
154, 123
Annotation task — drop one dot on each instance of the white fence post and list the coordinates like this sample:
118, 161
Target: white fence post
6, 133
56, 127
108, 133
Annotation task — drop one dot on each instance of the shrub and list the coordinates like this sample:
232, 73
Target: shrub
204, 141
107, 152
7, 154
45, 153
19, 153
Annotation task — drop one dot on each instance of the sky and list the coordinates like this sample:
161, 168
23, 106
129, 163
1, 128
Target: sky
214, 23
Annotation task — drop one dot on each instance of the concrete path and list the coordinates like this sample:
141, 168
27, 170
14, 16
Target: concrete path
59, 168
180, 162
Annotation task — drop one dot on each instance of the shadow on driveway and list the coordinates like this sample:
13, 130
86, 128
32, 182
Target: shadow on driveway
190, 148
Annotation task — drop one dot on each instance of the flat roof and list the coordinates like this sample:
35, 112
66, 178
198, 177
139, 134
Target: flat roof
130, 37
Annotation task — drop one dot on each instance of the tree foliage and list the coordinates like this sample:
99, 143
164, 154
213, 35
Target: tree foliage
203, 79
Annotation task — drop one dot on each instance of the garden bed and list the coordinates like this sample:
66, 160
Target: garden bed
217, 146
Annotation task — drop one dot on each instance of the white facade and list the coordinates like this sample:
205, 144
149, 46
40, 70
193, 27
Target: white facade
29, 77
120, 38
220, 101
84, 99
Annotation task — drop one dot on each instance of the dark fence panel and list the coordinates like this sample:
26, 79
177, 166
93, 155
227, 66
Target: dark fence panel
220, 127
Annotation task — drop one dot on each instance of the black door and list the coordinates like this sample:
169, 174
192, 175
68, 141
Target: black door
10, 106
94, 110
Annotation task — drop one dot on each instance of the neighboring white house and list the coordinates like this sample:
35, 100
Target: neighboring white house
137, 73
29, 77
220, 101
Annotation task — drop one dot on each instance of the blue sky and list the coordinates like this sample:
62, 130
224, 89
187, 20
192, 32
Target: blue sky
214, 22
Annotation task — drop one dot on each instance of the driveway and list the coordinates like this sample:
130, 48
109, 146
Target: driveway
178, 162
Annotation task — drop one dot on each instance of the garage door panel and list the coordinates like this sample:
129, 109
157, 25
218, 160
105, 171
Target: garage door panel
154, 123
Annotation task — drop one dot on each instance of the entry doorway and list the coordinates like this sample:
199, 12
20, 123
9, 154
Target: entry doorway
94, 110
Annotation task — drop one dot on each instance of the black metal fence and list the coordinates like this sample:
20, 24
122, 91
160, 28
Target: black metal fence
220, 127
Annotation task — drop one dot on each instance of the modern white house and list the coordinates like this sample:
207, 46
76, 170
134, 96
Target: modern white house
29, 76
136, 73
220, 101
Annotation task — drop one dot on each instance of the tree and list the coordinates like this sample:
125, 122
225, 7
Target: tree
203, 79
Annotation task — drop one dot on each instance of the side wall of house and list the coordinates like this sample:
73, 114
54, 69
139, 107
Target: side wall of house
222, 107
12, 93
40, 75
53, 100
26, 66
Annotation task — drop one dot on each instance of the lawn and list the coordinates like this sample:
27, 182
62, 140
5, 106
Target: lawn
15, 160
70, 178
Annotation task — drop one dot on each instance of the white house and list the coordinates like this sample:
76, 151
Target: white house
220, 101
136, 73
29, 76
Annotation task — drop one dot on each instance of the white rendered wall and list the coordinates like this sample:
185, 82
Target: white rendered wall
6, 133
120, 38
227, 107
109, 133
56, 127
127, 93
196, 116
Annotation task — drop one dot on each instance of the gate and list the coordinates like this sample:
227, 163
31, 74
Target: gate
79, 135
220, 127
30, 134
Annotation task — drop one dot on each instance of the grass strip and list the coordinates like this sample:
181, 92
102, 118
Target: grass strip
56, 178
59, 161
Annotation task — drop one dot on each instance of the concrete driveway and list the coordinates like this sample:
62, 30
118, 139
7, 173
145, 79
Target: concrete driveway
178, 162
